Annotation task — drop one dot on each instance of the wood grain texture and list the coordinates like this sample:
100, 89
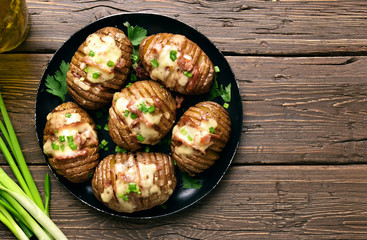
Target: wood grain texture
296, 110
260, 27
251, 202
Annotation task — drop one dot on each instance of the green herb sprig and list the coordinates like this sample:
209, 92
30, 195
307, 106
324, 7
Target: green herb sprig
56, 85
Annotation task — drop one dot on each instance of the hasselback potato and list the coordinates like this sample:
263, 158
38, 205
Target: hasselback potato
199, 137
128, 182
177, 62
142, 113
70, 142
99, 67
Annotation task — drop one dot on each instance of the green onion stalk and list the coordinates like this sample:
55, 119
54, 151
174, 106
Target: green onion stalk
21, 206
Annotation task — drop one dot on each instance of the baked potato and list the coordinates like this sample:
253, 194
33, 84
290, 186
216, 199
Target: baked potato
99, 67
142, 113
127, 182
199, 137
70, 142
177, 62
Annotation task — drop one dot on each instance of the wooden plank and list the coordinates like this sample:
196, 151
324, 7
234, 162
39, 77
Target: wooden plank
236, 27
296, 110
252, 202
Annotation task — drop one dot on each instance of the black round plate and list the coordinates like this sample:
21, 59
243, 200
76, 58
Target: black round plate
181, 198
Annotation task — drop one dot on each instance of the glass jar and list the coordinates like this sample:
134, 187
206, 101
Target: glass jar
14, 23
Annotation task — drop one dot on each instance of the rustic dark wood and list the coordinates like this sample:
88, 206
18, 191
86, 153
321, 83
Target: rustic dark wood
252, 202
235, 26
300, 171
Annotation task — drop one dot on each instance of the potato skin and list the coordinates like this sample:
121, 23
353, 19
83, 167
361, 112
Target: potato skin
92, 95
190, 59
107, 180
196, 160
79, 167
123, 134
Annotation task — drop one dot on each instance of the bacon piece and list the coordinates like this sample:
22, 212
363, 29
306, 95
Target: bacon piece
179, 100
141, 72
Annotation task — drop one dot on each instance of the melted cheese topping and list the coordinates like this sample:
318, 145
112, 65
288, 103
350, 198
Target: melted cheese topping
150, 135
81, 84
168, 70
59, 119
105, 49
193, 136
184, 150
148, 187
143, 176
107, 194
85, 131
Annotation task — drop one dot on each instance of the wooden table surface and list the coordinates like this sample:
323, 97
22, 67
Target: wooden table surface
300, 171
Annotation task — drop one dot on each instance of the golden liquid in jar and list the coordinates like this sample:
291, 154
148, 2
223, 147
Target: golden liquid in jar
14, 23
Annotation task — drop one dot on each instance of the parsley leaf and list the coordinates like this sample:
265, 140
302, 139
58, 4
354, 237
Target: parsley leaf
226, 93
56, 85
135, 34
189, 182
214, 91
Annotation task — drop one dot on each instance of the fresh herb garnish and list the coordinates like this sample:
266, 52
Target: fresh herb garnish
95, 75
225, 105
216, 69
154, 63
56, 85
68, 115
91, 53
120, 150
188, 74
189, 182
106, 127
55, 146
127, 112
151, 109
133, 115
136, 35
212, 130
133, 187
226, 93
62, 138
173, 55
142, 107
147, 149
110, 64
140, 138
98, 126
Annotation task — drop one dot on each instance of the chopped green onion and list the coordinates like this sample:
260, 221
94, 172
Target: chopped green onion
62, 147
105, 148
225, 105
147, 149
70, 138
91, 53
189, 137
120, 150
120, 195
188, 74
56, 131
98, 126
55, 146
212, 130
98, 59
140, 138
151, 109
129, 84
68, 115
95, 75
127, 112
216, 69
173, 55
133, 187
142, 107
133, 115
133, 77
125, 198
62, 138
110, 64
86, 70
164, 206
184, 131
154, 63
135, 58
72, 146
104, 142
82, 79
106, 127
